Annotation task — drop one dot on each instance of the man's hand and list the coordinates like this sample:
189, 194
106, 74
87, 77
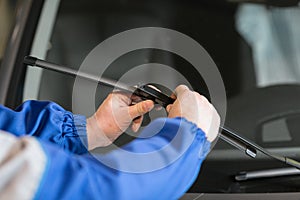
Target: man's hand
113, 117
197, 109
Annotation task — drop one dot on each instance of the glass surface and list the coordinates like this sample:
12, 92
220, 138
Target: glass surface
255, 47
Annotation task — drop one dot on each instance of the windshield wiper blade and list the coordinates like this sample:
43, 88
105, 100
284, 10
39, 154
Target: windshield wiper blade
146, 92
143, 91
250, 148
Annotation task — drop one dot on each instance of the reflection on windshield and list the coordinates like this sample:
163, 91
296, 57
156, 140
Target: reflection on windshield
273, 34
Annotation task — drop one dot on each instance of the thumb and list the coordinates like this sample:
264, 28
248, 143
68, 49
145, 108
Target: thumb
140, 108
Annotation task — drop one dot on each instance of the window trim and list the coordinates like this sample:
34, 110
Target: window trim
12, 70
40, 47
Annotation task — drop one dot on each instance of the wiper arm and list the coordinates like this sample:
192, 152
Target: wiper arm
238, 141
267, 173
146, 92
250, 147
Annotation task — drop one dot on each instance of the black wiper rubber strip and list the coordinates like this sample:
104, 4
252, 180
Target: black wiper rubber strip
226, 134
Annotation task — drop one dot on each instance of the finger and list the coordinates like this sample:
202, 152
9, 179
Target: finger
140, 108
168, 108
202, 99
173, 96
180, 90
138, 119
136, 123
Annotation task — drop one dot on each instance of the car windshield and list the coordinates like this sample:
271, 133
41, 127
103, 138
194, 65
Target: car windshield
256, 48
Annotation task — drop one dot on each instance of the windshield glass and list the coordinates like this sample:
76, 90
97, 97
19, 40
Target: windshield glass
256, 48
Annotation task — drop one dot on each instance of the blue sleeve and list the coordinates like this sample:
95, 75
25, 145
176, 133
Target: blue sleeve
47, 121
165, 175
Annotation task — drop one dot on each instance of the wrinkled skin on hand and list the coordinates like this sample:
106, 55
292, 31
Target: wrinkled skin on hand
113, 117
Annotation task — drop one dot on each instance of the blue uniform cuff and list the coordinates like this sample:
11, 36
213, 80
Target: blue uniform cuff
73, 135
80, 125
200, 136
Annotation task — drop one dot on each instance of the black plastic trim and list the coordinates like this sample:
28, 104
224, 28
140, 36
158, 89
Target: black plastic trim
12, 71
